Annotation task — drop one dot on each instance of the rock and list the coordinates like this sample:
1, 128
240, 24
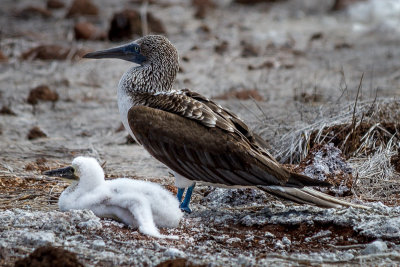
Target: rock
177, 263
87, 31
42, 93
51, 52
91, 225
50, 256
5, 110
3, 58
375, 248
33, 11
242, 95
221, 47
343, 4
98, 244
55, 4
249, 50
82, 7
202, 7
35, 133
127, 23
327, 163
286, 241
251, 2
40, 238
174, 252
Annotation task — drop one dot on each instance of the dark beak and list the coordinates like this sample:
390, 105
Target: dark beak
67, 172
125, 52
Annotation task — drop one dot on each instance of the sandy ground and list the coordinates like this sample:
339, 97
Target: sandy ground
300, 50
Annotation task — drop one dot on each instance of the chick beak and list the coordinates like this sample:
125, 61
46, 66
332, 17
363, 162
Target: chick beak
67, 172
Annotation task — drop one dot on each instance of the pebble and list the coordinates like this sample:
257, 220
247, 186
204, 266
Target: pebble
375, 248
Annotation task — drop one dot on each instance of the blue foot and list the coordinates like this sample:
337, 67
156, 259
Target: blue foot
185, 203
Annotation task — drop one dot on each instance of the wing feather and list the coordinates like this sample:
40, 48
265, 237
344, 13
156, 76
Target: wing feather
202, 153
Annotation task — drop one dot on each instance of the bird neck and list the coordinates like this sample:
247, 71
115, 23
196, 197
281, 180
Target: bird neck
151, 78
90, 179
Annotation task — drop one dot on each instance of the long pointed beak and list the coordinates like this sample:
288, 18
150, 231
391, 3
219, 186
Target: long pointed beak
125, 52
67, 172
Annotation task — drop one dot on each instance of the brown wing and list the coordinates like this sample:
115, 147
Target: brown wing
200, 152
233, 119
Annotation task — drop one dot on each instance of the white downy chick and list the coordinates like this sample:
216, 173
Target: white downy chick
137, 203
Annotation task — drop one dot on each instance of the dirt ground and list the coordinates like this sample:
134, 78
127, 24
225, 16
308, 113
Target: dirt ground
276, 64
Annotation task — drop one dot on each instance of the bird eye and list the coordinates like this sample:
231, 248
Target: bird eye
136, 49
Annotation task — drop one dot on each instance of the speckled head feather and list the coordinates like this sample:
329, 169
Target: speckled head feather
158, 72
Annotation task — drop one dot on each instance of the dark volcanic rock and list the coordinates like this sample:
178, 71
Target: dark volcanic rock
82, 7
48, 257
36, 133
87, 31
127, 23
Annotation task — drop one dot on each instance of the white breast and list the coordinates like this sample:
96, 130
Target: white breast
125, 102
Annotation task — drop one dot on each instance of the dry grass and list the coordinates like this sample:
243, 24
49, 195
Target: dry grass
368, 135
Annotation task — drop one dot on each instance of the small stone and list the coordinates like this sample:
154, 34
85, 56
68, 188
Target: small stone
5, 110
279, 245
33, 11
38, 238
375, 247
91, 225
42, 93
3, 58
202, 7
87, 31
36, 133
82, 7
286, 241
233, 240
52, 52
244, 94
98, 244
127, 23
174, 252
54, 4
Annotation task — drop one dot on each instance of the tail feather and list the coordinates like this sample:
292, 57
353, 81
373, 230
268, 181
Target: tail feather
307, 195
300, 180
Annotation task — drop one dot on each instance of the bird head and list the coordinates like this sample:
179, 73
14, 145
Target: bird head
146, 50
86, 170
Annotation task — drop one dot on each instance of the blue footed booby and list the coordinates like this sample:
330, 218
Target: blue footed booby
194, 136
137, 203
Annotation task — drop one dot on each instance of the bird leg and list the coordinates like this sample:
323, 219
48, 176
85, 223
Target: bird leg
185, 203
179, 195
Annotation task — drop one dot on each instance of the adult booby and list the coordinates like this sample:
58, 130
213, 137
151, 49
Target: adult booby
195, 137
137, 203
